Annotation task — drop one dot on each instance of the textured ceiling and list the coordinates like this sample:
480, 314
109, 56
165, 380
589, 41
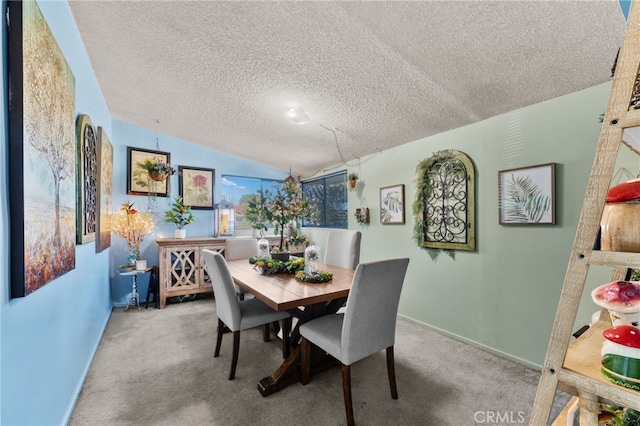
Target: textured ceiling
371, 75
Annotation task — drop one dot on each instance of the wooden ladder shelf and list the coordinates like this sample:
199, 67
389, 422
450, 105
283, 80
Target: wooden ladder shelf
575, 367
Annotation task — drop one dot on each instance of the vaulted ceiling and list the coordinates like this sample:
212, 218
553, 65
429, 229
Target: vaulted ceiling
371, 75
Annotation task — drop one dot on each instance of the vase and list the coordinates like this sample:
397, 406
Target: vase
263, 247
134, 254
180, 233
312, 261
620, 227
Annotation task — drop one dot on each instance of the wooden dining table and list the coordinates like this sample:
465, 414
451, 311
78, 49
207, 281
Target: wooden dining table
282, 292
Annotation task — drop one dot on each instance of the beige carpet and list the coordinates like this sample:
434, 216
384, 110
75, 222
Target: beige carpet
156, 367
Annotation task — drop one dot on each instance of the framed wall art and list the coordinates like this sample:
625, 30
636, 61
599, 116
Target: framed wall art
42, 153
139, 180
392, 204
105, 191
87, 179
196, 187
526, 195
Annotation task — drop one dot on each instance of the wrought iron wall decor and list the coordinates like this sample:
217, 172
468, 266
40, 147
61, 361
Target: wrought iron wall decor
445, 203
87, 210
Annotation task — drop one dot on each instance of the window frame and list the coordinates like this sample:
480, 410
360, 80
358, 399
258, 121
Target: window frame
345, 212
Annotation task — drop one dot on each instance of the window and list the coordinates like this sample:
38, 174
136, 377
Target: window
239, 190
329, 194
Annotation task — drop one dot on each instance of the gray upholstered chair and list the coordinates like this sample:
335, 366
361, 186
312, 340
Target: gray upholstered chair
240, 248
343, 248
367, 326
234, 315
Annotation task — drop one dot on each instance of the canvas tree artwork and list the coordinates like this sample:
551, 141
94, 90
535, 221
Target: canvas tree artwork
42, 153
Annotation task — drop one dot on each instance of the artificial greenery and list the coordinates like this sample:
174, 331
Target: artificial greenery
279, 207
296, 239
322, 277
352, 176
422, 194
268, 265
157, 166
180, 215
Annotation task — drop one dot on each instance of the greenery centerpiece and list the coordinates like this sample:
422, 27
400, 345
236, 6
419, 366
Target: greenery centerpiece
279, 207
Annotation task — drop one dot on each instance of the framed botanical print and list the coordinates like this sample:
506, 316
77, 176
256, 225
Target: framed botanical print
140, 180
526, 195
392, 204
196, 187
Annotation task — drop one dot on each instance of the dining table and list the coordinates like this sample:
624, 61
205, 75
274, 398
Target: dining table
304, 300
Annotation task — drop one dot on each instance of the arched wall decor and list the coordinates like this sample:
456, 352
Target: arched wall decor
444, 208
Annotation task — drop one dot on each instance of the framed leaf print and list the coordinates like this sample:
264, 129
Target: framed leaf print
196, 187
392, 204
527, 195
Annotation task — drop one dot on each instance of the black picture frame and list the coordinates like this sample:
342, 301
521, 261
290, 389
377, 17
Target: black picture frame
196, 186
138, 180
42, 153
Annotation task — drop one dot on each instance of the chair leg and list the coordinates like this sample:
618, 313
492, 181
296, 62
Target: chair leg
305, 361
346, 389
266, 334
286, 337
234, 356
219, 338
391, 371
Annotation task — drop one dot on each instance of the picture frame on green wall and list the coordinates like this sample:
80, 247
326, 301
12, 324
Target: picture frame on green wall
42, 152
527, 195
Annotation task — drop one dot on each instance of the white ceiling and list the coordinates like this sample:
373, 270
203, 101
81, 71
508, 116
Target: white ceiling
371, 75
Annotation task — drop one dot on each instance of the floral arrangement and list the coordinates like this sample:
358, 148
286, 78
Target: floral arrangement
131, 225
297, 239
267, 265
179, 214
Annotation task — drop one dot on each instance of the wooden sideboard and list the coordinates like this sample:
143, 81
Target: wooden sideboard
181, 265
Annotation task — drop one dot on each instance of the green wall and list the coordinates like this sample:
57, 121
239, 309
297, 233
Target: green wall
504, 295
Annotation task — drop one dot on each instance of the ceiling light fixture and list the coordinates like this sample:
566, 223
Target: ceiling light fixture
297, 115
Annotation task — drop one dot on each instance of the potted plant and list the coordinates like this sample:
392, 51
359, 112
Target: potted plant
353, 180
180, 215
157, 170
280, 207
296, 243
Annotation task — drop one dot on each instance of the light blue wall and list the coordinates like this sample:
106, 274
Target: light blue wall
49, 337
183, 153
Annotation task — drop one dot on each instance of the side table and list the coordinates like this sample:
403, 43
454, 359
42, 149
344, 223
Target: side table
133, 298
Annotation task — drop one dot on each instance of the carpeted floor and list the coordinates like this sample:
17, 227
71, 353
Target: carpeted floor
156, 367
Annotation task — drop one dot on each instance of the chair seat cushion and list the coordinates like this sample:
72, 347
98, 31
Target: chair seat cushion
326, 333
254, 313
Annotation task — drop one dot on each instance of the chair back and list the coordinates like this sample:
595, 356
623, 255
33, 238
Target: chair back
227, 305
240, 248
343, 248
372, 308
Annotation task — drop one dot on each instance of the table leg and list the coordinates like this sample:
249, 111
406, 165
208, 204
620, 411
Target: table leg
133, 298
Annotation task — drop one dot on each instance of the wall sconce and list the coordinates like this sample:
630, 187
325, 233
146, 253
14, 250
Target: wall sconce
224, 219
